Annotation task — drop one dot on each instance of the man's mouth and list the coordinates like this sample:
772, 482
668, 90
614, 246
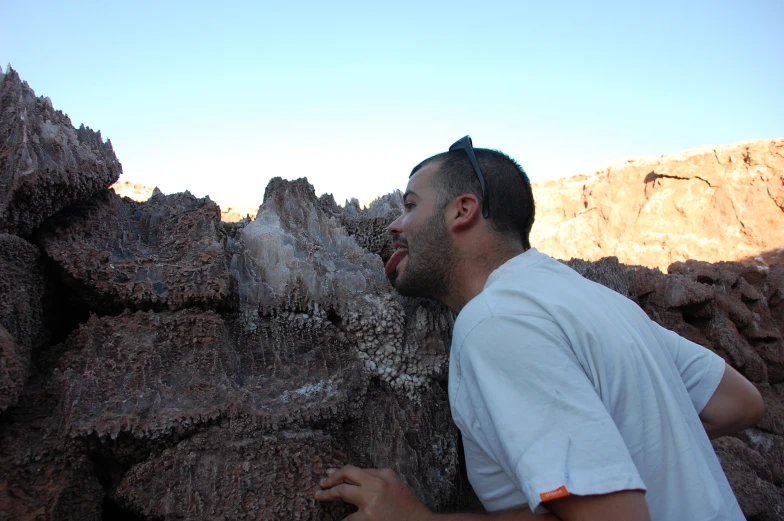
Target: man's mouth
400, 253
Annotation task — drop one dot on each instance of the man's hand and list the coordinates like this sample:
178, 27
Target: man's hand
379, 494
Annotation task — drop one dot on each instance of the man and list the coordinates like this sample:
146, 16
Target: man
571, 402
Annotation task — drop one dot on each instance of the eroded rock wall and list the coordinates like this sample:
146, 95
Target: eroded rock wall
224, 367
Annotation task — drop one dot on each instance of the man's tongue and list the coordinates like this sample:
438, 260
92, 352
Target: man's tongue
395, 259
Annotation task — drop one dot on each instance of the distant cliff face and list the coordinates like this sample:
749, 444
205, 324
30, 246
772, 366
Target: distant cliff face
139, 192
710, 203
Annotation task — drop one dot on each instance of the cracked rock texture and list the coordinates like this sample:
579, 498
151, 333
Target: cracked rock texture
369, 226
166, 253
45, 163
297, 260
45, 475
712, 203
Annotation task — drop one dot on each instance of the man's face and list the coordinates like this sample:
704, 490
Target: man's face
422, 263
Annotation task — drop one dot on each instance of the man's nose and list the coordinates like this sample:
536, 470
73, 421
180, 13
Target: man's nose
394, 229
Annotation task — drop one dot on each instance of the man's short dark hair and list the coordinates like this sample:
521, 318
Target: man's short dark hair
508, 188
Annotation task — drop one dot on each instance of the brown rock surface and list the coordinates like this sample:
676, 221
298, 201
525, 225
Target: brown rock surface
21, 314
416, 437
296, 258
166, 253
159, 374
45, 164
712, 203
215, 476
749, 473
44, 475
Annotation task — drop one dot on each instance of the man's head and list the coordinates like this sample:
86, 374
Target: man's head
507, 188
443, 214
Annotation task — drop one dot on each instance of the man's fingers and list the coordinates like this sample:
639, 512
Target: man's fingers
345, 491
347, 474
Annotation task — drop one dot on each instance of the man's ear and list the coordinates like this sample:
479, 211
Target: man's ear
463, 212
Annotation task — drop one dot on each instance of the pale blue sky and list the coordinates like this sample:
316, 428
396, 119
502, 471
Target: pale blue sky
217, 97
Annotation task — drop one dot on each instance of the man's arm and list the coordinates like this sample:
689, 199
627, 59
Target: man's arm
381, 496
736, 405
725, 401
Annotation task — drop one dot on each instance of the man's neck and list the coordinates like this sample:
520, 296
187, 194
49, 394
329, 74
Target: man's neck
470, 276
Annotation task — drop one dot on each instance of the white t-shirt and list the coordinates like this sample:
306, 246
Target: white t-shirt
560, 385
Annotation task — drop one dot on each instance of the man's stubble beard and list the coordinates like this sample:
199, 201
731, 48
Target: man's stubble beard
428, 273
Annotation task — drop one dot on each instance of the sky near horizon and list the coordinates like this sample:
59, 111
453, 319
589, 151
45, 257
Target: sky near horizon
218, 98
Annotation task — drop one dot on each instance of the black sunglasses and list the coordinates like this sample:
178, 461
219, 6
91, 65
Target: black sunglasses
465, 143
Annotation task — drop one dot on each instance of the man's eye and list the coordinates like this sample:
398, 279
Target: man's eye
408, 206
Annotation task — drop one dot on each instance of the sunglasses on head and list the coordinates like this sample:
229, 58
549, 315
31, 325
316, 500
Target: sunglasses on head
465, 143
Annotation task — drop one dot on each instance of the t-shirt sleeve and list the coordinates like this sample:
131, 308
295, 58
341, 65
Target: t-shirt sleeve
538, 413
700, 368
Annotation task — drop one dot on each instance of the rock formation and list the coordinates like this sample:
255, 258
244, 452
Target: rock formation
158, 363
279, 354
45, 164
712, 203
164, 254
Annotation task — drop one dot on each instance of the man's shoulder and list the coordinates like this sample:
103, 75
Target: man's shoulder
501, 319
473, 313
542, 282
530, 272
513, 288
